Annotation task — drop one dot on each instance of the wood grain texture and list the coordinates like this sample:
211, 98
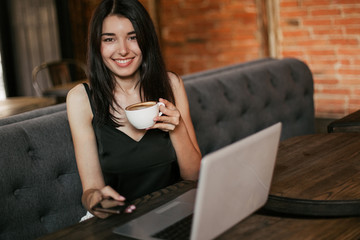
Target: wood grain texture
259, 227
15, 105
316, 175
318, 167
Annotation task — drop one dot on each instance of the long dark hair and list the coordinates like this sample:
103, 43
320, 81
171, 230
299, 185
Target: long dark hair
154, 81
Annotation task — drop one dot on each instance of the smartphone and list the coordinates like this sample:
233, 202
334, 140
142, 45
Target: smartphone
111, 206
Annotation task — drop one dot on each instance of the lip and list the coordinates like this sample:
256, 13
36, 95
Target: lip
123, 62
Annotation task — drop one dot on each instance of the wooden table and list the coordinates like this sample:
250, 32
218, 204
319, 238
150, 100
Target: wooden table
301, 171
318, 175
15, 105
349, 123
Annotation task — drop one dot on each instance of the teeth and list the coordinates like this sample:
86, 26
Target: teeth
123, 61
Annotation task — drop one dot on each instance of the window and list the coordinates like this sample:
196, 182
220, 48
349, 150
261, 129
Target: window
2, 87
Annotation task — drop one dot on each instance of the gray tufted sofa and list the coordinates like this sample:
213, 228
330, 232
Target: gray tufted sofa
40, 188
233, 102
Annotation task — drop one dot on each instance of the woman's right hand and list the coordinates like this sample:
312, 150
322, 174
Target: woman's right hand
91, 197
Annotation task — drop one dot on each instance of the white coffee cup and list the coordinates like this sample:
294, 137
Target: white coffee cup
141, 115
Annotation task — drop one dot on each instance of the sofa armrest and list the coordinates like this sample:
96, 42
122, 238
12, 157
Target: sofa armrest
349, 123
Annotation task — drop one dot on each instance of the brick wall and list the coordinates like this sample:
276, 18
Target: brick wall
203, 34
326, 35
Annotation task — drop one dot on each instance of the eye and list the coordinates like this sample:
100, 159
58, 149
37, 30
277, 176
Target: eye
133, 38
108, 39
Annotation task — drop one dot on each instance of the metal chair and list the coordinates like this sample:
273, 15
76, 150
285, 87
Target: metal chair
58, 73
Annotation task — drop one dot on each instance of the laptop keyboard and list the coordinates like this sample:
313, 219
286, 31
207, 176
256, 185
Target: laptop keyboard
178, 231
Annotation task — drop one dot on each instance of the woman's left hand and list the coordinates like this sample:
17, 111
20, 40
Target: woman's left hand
170, 117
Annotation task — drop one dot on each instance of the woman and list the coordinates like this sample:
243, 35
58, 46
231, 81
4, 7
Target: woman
125, 66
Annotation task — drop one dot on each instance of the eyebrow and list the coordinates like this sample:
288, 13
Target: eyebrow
113, 34
107, 34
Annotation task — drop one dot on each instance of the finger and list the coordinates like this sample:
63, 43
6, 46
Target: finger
97, 197
166, 123
174, 120
167, 111
108, 191
130, 208
101, 214
166, 127
108, 203
164, 101
168, 104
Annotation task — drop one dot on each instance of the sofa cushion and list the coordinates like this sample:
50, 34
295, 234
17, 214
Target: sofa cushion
40, 191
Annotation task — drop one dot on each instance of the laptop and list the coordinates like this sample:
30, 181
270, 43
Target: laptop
234, 182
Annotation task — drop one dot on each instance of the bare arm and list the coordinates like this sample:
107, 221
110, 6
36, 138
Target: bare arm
86, 153
177, 121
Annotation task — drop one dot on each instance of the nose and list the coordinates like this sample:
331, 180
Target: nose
123, 49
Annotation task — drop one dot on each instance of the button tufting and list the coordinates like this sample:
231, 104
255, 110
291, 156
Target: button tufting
273, 82
248, 86
267, 103
16, 192
29, 148
30, 151
227, 96
218, 119
244, 111
288, 96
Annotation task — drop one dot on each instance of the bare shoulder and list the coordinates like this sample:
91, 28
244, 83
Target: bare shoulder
175, 80
77, 94
77, 101
179, 91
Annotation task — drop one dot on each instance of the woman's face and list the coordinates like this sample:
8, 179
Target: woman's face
119, 47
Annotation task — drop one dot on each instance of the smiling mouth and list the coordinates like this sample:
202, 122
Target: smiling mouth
124, 61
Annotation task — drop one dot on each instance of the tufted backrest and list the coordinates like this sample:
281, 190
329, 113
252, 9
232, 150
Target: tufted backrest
40, 189
229, 105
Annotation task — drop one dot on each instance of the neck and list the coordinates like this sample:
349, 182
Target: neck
127, 86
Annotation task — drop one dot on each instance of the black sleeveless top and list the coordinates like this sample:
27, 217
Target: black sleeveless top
134, 168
